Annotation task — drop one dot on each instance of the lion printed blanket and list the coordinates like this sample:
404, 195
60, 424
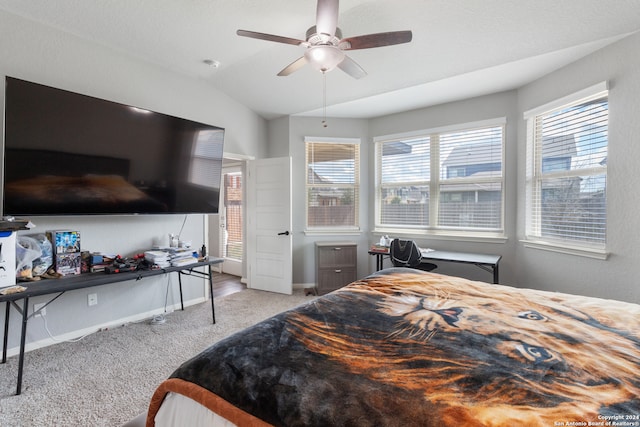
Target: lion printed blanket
409, 348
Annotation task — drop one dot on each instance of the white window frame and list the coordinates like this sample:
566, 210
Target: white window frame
433, 231
355, 229
533, 238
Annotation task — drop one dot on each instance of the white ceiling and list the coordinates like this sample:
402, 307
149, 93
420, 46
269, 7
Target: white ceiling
460, 48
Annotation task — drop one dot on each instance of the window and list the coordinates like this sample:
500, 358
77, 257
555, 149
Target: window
567, 171
333, 191
442, 181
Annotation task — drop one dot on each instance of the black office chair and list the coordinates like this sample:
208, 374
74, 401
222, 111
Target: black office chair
406, 253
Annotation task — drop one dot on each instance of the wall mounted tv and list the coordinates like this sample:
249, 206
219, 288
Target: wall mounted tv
71, 154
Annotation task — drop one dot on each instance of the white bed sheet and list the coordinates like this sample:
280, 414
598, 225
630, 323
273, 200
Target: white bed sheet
179, 410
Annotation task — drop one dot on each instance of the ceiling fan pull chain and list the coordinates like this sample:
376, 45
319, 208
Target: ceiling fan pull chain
324, 99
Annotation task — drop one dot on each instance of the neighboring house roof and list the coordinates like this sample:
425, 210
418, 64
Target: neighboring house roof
474, 154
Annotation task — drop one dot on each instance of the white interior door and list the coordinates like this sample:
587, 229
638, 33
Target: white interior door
269, 239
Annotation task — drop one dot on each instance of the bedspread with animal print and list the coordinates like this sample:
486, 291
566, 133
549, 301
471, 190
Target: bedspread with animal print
409, 348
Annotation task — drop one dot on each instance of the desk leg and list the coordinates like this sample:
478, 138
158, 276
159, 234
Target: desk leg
180, 285
495, 274
6, 333
23, 337
379, 262
213, 309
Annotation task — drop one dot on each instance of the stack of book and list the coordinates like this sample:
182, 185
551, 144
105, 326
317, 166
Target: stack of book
379, 248
158, 257
182, 256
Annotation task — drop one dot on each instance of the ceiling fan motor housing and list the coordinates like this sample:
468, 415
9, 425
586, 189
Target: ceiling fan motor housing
315, 38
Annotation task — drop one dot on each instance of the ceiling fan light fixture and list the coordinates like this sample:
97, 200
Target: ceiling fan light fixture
324, 57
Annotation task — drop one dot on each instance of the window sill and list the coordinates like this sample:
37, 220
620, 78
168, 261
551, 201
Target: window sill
333, 232
566, 249
444, 235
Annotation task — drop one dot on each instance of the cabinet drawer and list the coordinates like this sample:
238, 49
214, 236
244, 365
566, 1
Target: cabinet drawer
330, 279
336, 256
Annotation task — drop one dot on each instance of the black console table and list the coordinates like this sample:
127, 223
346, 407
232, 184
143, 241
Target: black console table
87, 280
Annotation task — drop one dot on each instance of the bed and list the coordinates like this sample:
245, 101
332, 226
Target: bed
404, 347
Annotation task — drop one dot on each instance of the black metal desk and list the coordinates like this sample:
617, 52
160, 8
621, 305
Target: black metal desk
87, 280
486, 262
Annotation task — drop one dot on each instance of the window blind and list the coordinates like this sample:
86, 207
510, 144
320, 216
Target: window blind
444, 179
333, 170
568, 179
405, 182
471, 179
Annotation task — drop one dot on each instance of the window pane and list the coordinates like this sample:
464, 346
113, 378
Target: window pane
405, 161
407, 206
473, 158
476, 153
471, 205
332, 206
566, 206
575, 138
574, 208
468, 169
331, 163
332, 184
233, 215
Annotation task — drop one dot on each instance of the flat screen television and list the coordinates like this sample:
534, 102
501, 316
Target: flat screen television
72, 154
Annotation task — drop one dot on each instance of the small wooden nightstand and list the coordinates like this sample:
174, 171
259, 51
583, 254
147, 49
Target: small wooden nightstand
336, 265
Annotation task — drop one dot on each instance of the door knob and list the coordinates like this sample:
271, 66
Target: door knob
284, 233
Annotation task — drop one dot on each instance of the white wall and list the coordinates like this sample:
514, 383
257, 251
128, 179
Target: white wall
37, 53
616, 277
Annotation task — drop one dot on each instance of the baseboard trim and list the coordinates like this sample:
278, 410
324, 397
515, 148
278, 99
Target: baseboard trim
74, 335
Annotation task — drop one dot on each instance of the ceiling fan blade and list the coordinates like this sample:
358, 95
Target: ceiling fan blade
352, 68
269, 37
294, 66
327, 17
376, 40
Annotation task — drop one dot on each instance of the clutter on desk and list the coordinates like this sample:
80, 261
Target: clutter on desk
7, 258
10, 223
34, 256
172, 256
67, 256
12, 290
382, 246
8, 227
57, 253
378, 248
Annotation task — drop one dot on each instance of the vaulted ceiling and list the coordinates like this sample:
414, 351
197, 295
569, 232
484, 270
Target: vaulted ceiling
460, 48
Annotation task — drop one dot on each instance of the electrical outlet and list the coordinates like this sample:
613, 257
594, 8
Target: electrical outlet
92, 299
37, 307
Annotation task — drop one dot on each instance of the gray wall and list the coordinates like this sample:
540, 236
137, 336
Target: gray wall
616, 277
476, 109
487, 107
37, 53
524, 267
303, 243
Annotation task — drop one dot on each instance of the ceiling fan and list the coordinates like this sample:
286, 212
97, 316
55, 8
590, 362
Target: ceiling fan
325, 45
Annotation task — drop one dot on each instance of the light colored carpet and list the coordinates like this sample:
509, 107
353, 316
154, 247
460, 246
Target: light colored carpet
108, 377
